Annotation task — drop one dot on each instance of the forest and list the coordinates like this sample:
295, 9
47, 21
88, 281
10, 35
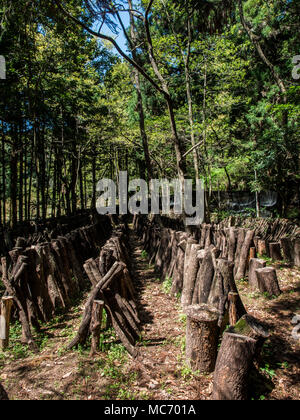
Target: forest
143, 307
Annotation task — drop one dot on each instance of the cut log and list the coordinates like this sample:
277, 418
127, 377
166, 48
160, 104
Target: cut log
95, 326
286, 246
232, 233
202, 334
255, 264
267, 281
296, 252
239, 244
241, 269
114, 272
262, 247
251, 327
275, 251
234, 361
21, 303
5, 312
233, 308
205, 275
190, 276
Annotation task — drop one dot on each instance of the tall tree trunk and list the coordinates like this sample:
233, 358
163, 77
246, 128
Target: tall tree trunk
14, 177
137, 84
3, 177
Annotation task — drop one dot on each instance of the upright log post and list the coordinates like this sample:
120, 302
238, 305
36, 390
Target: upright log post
255, 264
241, 344
275, 251
202, 333
190, 275
268, 281
241, 269
286, 245
5, 311
262, 247
233, 365
95, 326
233, 308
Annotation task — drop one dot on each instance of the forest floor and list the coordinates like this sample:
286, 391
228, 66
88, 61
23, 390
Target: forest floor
159, 372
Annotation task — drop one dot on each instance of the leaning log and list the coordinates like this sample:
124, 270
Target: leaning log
83, 331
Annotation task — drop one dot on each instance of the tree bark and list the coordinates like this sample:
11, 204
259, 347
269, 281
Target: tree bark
202, 333
255, 263
267, 281
233, 366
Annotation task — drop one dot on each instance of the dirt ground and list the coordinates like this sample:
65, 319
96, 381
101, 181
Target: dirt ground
159, 372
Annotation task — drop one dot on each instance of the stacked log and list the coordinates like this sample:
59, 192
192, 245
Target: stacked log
112, 291
49, 276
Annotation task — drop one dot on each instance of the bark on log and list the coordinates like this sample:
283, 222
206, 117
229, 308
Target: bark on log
275, 251
205, 275
296, 252
83, 331
267, 281
233, 308
21, 306
202, 334
233, 366
95, 326
262, 247
190, 276
241, 269
232, 233
5, 312
239, 244
255, 264
286, 245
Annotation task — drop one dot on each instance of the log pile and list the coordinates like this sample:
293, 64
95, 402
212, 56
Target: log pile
113, 291
49, 275
31, 233
204, 266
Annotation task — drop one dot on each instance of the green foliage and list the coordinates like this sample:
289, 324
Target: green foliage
268, 371
167, 285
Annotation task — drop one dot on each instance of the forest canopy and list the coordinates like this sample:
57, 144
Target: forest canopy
203, 89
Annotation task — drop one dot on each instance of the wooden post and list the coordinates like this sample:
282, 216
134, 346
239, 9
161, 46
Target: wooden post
275, 251
202, 333
267, 281
233, 365
95, 327
233, 310
6, 305
255, 264
262, 247
241, 268
190, 275
240, 345
286, 245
